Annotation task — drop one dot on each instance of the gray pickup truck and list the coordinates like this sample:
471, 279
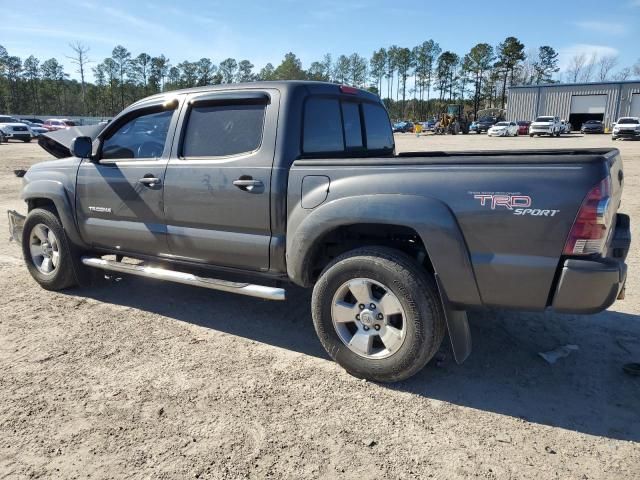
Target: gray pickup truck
298, 182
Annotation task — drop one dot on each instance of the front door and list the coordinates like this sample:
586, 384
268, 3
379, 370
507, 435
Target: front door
218, 181
119, 193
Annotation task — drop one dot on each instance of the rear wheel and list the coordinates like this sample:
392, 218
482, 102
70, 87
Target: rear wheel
46, 250
378, 314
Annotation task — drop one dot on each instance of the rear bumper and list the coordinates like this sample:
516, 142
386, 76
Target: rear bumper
590, 286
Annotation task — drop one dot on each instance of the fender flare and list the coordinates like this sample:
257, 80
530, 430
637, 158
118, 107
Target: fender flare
54, 191
430, 218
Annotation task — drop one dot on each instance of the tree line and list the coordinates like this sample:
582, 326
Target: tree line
414, 82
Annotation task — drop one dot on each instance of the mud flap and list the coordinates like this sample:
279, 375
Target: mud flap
458, 327
16, 225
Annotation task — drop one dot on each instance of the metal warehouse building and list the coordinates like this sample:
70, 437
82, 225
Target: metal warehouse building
576, 102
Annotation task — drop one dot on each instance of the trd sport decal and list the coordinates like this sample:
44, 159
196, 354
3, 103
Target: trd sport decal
516, 202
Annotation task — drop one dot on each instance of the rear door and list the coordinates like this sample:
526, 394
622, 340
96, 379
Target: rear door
218, 180
119, 195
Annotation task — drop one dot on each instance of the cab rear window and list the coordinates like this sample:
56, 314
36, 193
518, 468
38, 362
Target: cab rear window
332, 126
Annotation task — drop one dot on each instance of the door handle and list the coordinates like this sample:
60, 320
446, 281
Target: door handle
247, 184
150, 181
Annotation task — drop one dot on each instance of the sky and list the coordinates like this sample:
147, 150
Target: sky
263, 31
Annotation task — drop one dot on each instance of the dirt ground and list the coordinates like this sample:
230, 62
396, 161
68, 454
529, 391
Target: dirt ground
141, 379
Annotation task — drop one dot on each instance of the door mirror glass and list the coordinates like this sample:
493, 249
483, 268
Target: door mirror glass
81, 147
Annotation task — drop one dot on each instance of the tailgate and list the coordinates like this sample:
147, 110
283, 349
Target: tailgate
617, 179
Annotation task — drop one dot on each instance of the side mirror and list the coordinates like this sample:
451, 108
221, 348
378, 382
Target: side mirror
81, 147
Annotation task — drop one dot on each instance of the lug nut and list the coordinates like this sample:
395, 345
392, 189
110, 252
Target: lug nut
361, 306
358, 316
380, 316
372, 306
377, 327
365, 328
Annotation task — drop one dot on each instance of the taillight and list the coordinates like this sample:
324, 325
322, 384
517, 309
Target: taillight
589, 231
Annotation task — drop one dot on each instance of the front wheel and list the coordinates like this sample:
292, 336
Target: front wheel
46, 250
378, 314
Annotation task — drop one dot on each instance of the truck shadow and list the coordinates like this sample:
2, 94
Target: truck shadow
586, 392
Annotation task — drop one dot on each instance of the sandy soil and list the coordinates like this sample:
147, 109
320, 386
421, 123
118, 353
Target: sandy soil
139, 379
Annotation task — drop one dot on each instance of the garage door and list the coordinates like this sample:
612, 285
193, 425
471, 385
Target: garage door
635, 105
588, 103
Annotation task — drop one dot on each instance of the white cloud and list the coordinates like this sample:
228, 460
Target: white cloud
608, 28
567, 53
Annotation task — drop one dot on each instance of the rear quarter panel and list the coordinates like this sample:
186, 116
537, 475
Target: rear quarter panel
514, 254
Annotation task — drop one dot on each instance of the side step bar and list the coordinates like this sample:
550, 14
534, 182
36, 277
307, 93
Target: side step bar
260, 291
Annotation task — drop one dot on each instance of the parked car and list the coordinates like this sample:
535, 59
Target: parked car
626, 127
545, 125
483, 124
12, 128
503, 129
36, 129
403, 127
523, 127
34, 120
566, 126
592, 126
428, 126
396, 247
53, 124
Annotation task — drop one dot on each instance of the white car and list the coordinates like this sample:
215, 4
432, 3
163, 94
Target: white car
503, 129
15, 129
626, 127
546, 125
36, 130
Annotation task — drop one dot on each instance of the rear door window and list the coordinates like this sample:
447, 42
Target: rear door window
223, 130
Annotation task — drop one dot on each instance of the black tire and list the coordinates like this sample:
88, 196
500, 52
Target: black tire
531, 135
415, 290
63, 275
27, 140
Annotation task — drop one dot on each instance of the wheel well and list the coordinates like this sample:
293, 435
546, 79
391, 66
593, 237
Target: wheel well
349, 237
42, 203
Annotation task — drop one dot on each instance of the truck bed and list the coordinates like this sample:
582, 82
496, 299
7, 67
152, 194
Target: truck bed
515, 254
487, 157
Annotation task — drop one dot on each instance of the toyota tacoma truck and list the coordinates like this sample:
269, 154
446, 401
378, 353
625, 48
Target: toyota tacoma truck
247, 188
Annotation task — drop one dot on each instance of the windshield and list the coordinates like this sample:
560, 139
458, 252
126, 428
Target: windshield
523, 124
632, 121
502, 124
544, 119
594, 122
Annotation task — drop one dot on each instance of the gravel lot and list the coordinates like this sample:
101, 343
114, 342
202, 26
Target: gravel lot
140, 379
